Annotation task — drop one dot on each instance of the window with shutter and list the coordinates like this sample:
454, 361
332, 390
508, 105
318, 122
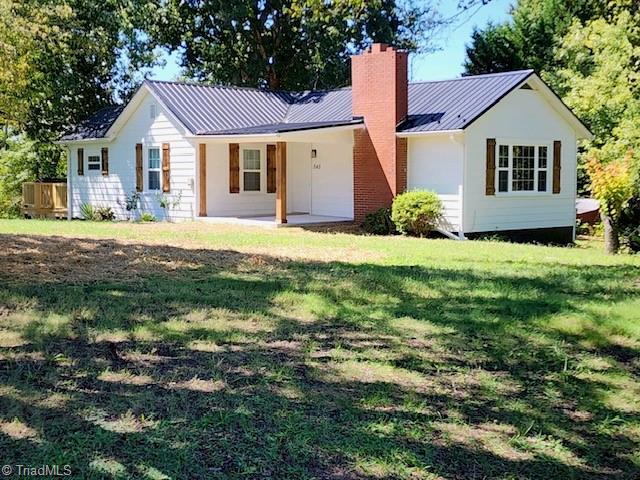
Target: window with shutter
81, 161
105, 161
490, 180
166, 168
557, 152
234, 168
139, 167
271, 169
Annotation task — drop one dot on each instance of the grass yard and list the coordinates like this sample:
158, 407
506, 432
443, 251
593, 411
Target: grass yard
199, 351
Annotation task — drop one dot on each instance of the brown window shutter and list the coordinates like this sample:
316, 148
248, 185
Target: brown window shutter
234, 168
105, 161
271, 169
491, 167
166, 168
557, 148
202, 182
81, 161
139, 175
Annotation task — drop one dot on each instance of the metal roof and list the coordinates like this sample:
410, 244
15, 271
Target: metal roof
95, 126
221, 110
455, 104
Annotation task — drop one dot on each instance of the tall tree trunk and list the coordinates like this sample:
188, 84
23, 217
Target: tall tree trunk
611, 234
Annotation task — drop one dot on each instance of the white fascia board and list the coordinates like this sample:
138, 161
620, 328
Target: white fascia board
429, 133
83, 141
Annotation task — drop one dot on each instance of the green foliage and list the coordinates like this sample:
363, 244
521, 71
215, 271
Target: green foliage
62, 61
97, 214
611, 184
169, 202
416, 212
17, 161
492, 50
530, 38
600, 82
147, 217
379, 222
131, 203
629, 223
288, 44
104, 214
87, 211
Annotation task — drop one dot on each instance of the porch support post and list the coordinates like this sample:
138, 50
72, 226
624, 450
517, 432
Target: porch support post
281, 183
202, 180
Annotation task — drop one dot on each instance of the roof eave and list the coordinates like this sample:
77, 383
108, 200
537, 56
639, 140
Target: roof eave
277, 135
429, 133
84, 140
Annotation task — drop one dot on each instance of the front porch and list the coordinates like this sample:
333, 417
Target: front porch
270, 221
296, 179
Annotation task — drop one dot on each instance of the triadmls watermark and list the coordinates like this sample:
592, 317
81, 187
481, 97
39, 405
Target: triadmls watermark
35, 470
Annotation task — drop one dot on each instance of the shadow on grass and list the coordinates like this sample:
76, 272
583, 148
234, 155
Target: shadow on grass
131, 360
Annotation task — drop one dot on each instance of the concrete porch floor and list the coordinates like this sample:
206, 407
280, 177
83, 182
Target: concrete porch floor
269, 221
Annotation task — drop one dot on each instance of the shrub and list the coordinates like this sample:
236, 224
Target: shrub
379, 222
104, 214
87, 211
130, 203
147, 217
416, 212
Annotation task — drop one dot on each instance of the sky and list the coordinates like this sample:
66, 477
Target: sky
444, 63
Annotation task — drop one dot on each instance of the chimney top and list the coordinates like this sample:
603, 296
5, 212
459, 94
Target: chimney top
379, 47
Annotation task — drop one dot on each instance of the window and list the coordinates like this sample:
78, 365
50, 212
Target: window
503, 168
154, 169
542, 169
93, 162
251, 170
523, 176
153, 111
522, 168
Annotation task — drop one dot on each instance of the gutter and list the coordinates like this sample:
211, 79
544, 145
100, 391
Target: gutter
430, 133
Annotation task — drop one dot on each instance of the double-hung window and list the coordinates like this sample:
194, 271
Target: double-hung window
93, 162
153, 168
522, 168
251, 170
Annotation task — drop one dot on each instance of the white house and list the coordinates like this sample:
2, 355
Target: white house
499, 149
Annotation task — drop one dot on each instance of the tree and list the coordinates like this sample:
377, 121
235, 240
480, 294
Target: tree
492, 50
288, 44
60, 61
612, 186
64, 60
529, 39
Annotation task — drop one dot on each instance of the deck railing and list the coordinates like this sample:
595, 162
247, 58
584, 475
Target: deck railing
40, 199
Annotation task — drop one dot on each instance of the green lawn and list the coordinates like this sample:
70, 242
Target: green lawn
195, 351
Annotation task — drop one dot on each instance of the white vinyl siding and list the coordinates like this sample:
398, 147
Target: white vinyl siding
522, 118
101, 190
435, 162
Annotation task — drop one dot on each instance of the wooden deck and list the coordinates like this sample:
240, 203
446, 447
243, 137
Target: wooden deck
44, 200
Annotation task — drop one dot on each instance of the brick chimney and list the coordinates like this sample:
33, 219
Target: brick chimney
379, 94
